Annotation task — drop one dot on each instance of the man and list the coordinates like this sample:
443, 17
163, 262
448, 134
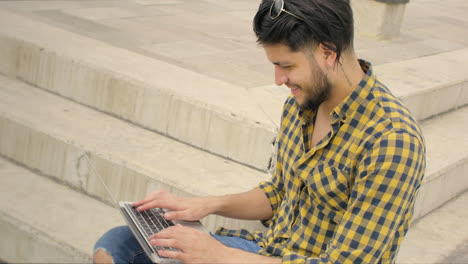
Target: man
350, 161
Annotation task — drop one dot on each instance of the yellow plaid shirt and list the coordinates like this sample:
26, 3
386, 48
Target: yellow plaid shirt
350, 198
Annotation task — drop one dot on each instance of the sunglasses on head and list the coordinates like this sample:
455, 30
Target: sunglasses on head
277, 6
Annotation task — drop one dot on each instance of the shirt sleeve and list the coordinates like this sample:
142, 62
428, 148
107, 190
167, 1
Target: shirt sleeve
387, 180
273, 190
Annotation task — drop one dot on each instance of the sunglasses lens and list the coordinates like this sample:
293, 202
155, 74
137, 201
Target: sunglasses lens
276, 8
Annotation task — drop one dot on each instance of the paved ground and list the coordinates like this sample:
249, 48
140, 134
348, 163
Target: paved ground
215, 38
441, 237
460, 255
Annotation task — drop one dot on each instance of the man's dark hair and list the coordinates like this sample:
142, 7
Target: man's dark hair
329, 22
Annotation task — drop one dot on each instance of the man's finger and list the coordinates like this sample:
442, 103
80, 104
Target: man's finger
165, 243
147, 199
167, 233
175, 215
159, 194
147, 205
172, 254
157, 203
174, 232
139, 203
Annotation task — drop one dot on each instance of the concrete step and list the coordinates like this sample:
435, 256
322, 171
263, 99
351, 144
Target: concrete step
42, 221
447, 160
440, 237
51, 135
204, 112
429, 85
235, 122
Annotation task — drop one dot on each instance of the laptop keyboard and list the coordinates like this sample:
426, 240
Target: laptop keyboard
151, 221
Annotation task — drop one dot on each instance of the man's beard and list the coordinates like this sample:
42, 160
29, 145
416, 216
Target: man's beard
318, 92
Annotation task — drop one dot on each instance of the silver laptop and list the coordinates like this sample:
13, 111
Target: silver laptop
146, 223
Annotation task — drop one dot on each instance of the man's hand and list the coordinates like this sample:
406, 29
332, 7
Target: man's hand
251, 205
195, 246
199, 247
182, 208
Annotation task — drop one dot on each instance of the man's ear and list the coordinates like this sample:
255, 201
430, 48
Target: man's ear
328, 56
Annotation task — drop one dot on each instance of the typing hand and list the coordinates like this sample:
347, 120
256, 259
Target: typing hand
194, 246
182, 208
199, 247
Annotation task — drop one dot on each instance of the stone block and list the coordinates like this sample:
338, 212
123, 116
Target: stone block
375, 19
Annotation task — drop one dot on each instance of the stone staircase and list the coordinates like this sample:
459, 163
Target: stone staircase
148, 124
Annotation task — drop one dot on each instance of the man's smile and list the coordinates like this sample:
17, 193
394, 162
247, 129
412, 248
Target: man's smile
295, 91
294, 88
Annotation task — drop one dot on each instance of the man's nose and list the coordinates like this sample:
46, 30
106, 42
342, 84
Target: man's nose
280, 76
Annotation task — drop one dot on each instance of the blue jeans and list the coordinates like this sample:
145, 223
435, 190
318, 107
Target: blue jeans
120, 243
